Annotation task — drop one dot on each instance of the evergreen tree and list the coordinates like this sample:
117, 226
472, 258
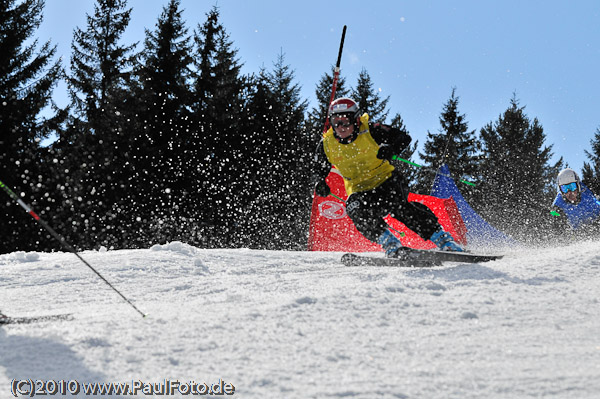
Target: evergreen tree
278, 152
162, 131
259, 133
28, 74
99, 146
216, 143
591, 170
368, 99
454, 145
100, 66
517, 177
293, 154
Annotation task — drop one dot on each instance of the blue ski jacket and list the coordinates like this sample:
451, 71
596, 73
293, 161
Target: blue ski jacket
582, 214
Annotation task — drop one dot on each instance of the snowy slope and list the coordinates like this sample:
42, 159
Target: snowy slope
301, 325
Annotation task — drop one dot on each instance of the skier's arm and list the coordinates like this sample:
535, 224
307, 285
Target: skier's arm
392, 141
559, 219
321, 169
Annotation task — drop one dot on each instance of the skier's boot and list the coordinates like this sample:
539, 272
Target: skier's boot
391, 245
446, 242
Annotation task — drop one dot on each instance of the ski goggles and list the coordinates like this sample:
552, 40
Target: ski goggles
340, 122
565, 188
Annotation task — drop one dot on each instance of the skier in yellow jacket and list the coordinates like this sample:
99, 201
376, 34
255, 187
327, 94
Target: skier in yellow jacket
361, 152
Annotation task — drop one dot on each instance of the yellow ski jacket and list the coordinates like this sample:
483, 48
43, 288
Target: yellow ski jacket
357, 161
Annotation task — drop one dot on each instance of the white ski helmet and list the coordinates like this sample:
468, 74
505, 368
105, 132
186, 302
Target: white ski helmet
567, 176
344, 105
348, 108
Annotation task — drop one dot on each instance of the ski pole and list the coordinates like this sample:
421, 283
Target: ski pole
63, 242
338, 198
336, 75
431, 170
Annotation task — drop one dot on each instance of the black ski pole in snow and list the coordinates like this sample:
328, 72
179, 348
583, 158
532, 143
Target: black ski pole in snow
63, 242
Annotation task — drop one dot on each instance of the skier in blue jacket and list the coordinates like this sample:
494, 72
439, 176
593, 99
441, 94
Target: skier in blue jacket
576, 203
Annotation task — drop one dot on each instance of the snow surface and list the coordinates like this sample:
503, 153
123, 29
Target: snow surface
279, 324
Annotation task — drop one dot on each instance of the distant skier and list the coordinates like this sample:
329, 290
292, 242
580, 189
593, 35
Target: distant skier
576, 203
361, 152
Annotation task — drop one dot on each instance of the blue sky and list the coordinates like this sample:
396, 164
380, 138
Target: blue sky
547, 52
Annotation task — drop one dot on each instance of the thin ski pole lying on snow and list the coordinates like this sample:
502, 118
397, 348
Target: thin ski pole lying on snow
63, 242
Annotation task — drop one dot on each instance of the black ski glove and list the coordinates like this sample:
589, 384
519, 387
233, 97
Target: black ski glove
322, 189
385, 152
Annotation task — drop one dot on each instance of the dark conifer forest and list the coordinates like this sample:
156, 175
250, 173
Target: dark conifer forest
167, 140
